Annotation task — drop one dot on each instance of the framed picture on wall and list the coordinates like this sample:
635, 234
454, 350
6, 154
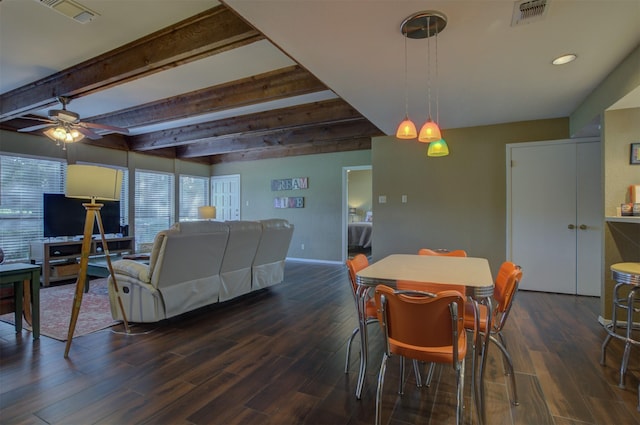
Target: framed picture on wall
635, 153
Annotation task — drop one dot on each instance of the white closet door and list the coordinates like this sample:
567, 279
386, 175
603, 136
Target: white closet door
555, 215
225, 196
543, 208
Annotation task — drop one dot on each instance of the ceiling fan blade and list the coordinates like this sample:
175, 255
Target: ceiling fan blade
35, 127
37, 118
105, 127
88, 133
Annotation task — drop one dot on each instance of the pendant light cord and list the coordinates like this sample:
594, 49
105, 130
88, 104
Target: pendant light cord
406, 82
429, 65
437, 82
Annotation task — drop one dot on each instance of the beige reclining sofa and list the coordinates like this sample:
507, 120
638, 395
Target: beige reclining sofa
197, 263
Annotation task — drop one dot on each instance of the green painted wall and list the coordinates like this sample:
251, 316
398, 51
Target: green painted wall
454, 202
318, 226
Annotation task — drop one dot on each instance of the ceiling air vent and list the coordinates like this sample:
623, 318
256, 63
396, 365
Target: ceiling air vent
526, 11
73, 10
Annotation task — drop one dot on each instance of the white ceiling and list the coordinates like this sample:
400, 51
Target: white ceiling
488, 71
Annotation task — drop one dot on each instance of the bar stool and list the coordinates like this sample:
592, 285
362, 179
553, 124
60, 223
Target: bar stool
627, 275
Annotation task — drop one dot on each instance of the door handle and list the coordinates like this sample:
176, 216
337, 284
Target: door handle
583, 227
571, 226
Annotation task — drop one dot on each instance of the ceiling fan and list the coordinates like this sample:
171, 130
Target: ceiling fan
68, 122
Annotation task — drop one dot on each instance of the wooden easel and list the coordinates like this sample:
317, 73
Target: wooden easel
93, 214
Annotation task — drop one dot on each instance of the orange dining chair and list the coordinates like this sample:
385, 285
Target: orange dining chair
505, 288
408, 285
354, 265
425, 327
444, 252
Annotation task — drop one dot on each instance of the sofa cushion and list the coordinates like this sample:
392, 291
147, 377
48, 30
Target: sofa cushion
132, 268
200, 226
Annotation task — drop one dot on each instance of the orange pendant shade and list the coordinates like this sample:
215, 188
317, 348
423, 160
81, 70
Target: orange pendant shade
407, 129
429, 132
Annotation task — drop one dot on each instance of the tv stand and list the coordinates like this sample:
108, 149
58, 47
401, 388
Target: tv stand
59, 259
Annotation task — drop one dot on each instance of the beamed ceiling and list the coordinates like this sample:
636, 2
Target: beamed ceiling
217, 81
326, 125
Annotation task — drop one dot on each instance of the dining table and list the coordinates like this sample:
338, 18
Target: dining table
471, 272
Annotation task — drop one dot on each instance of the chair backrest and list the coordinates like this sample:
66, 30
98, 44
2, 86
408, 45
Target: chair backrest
412, 320
444, 252
354, 265
505, 288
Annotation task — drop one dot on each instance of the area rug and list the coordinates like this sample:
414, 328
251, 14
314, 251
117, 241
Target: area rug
55, 310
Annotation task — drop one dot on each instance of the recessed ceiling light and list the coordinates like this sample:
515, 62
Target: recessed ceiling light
561, 60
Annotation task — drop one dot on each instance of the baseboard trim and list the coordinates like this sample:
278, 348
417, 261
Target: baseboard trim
309, 260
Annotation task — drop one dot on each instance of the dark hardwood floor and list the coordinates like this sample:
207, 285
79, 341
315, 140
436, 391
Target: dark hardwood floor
277, 357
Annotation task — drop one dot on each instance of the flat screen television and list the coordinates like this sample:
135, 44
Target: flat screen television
65, 216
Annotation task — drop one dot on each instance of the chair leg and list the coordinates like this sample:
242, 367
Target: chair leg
629, 340
460, 393
383, 367
432, 368
416, 369
401, 387
509, 366
346, 362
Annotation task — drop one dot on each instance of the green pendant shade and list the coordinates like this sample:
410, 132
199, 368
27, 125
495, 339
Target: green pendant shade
438, 148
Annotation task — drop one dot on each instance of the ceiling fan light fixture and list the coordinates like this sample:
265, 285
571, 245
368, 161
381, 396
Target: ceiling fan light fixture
63, 134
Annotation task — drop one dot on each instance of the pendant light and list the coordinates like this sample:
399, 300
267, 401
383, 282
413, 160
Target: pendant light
437, 147
420, 25
430, 130
406, 129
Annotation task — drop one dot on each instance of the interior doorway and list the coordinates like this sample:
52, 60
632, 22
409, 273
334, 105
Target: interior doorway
357, 211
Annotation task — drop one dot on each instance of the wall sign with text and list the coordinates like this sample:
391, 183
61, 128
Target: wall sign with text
293, 183
289, 202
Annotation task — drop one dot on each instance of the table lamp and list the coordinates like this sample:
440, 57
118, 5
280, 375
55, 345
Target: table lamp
207, 212
352, 214
92, 183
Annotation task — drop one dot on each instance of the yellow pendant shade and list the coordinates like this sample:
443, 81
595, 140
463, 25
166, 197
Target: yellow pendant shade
430, 132
438, 148
407, 129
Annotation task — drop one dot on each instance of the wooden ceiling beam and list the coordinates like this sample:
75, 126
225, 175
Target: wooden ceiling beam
357, 143
269, 86
288, 137
262, 123
213, 31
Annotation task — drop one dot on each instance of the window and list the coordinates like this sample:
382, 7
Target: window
194, 193
154, 204
23, 181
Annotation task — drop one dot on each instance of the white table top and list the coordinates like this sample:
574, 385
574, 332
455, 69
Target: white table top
472, 272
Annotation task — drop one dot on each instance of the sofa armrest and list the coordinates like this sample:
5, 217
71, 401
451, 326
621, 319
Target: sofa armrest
134, 269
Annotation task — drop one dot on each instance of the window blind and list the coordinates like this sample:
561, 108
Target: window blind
154, 204
22, 183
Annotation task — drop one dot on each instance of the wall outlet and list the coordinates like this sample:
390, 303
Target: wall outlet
302, 247
404, 199
382, 199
